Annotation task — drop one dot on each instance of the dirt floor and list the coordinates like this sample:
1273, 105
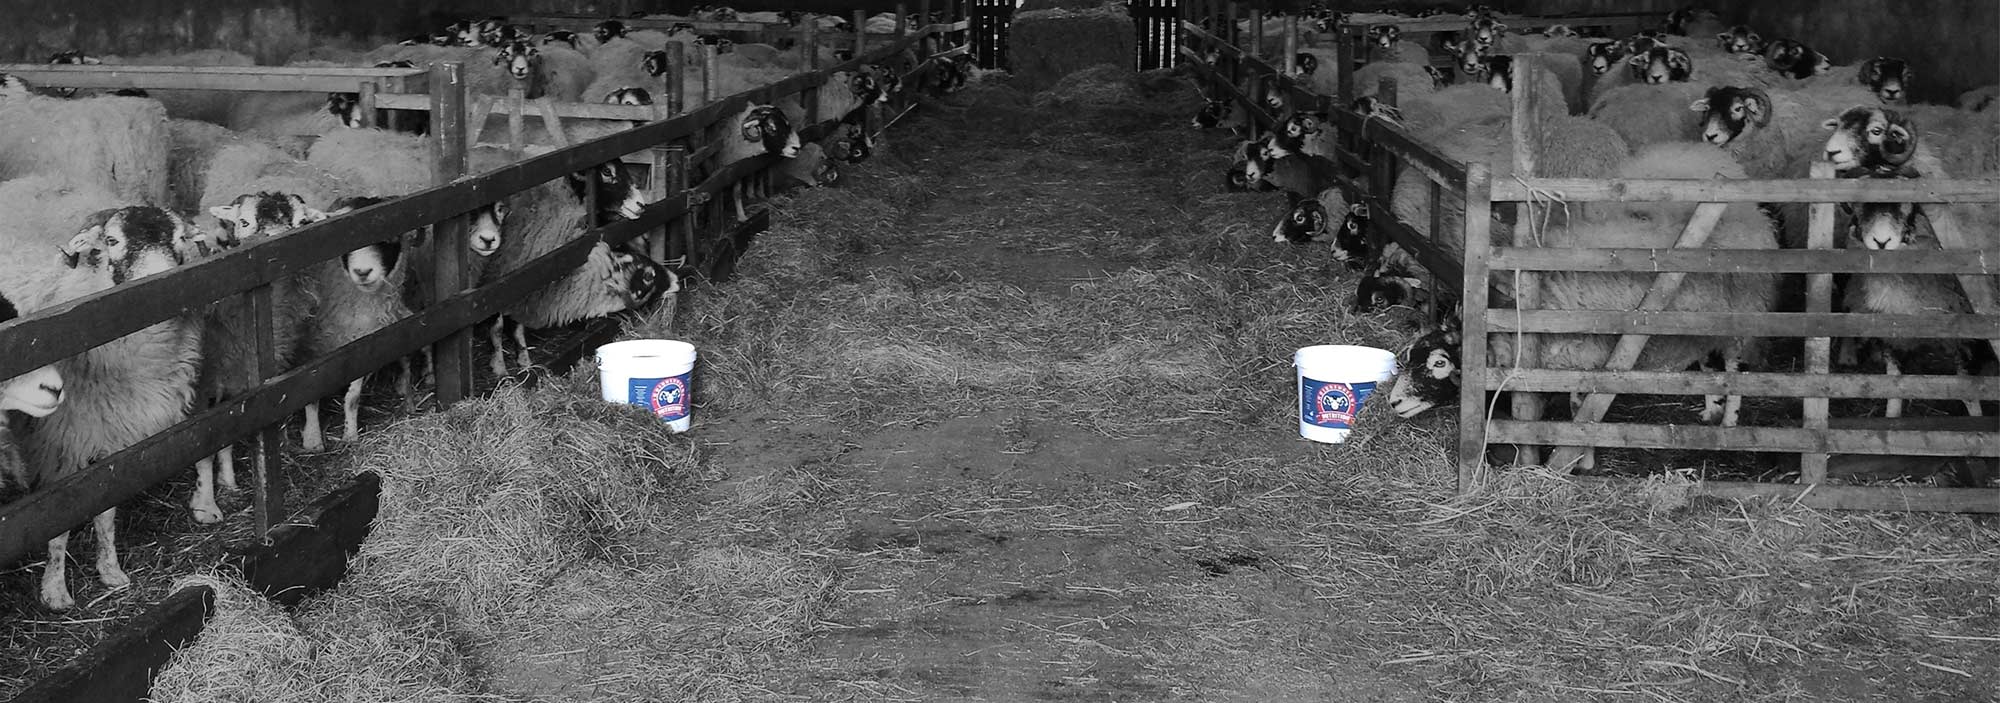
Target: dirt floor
1009, 416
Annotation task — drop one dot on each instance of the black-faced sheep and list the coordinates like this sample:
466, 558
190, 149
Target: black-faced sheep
1795, 60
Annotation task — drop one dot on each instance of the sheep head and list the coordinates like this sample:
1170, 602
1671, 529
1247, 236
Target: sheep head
1430, 371
1871, 140
607, 30
1888, 77
1305, 64
1728, 111
1741, 39
483, 235
1385, 35
262, 214
629, 95
134, 242
1603, 54
1883, 226
1662, 64
37, 392
767, 125
1304, 223
1351, 242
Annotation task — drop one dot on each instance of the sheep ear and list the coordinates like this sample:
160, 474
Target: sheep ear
1699, 105
1759, 106
309, 215
1832, 123
226, 213
1871, 71
1638, 60
1358, 209
1723, 37
83, 246
1498, 27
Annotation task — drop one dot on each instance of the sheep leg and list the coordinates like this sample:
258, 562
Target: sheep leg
1964, 361
1732, 406
55, 580
311, 438
108, 571
737, 201
1844, 353
202, 503
225, 460
351, 410
1889, 367
495, 334
1528, 408
521, 339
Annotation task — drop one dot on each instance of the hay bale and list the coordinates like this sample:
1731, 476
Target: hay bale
120, 143
1046, 45
248, 651
1099, 85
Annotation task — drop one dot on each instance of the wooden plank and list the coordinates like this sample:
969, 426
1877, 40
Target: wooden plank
1783, 385
1457, 23
223, 78
122, 667
452, 356
1844, 190
1829, 261
309, 553
1954, 423
586, 111
1410, 152
586, 23
1472, 427
1814, 410
1758, 439
267, 476
1902, 498
1527, 285
1978, 289
1756, 324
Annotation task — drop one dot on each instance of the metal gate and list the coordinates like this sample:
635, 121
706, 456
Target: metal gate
989, 32
1157, 23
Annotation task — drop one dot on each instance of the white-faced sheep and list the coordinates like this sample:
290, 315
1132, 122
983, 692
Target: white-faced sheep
1435, 366
35, 394
1892, 226
124, 390
1651, 113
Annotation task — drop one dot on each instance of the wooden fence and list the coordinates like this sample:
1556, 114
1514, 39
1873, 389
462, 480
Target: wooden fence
1829, 447
76, 326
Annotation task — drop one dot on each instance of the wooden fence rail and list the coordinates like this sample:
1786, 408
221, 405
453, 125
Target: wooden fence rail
76, 326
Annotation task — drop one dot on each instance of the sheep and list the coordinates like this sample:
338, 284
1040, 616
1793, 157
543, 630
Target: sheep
124, 390
1302, 133
1301, 175
35, 394
1693, 22
120, 143
556, 72
1214, 112
1979, 99
812, 168
363, 293
1563, 81
757, 130
1611, 224
629, 96
229, 345
1770, 132
1889, 78
205, 105
1411, 80
1892, 226
1393, 279
1385, 44
1795, 60
1646, 113
1741, 39
250, 166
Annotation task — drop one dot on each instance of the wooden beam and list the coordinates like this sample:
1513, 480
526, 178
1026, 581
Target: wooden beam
1844, 190
1472, 426
122, 667
1818, 349
1757, 439
1782, 385
309, 553
1754, 324
1634, 260
222, 78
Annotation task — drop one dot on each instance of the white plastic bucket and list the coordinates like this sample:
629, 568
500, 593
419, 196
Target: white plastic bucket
654, 374
1334, 381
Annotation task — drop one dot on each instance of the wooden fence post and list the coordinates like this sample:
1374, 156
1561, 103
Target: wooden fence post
1819, 350
267, 471
1472, 347
1527, 291
902, 20
364, 104
1343, 63
453, 354
676, 77
860, 32
1256, 47
1291, 58
708, 73
517, 109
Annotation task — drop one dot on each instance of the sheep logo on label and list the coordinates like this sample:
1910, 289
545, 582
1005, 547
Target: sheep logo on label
1333, 405
666, 398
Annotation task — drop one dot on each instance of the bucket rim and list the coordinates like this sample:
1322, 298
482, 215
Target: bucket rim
1325, 350
647, 349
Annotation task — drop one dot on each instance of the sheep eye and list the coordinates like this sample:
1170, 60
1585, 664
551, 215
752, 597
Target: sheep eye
1874, 131
111, 241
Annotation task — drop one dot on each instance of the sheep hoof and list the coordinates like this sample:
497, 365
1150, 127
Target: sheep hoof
1711, 413
313, 444
206, 514
113, 578
56, 597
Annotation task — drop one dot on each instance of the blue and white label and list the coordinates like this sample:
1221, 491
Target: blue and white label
1332, 405
666, 398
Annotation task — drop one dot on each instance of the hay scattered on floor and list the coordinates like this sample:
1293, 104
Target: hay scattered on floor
1102, 84
249, 649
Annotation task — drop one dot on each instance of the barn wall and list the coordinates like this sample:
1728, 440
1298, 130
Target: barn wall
1951, 43
271, 30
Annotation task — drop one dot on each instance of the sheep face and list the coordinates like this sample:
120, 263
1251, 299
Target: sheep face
561, 35
1237, 179
1888, 77
890, 80
1870, 139
633, 281
521, 60
1741, 39
1487, 31
1558, 31
629, 96
1727, 111
483, 234
1678, 20
1430, 376
1212, 114
1276, 98
37, 392
618, 194
866, 89
607, 30
74, 57
1385, 35
11, 86
1603, 55
1470, 55
1438, 78
1379, 291
1795, 60
1305, 64
1661, 64
1883, 226
1306, 222
345, 107
767, 125
369, 266
133, 242
1498, 71
1351, 243
263, 214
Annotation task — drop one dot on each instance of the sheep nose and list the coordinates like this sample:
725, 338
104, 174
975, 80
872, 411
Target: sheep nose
54, 390
1880, 243
1833, 155
363, 274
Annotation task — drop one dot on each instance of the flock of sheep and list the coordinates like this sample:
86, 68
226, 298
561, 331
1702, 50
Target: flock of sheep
124, 184
1690, 100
